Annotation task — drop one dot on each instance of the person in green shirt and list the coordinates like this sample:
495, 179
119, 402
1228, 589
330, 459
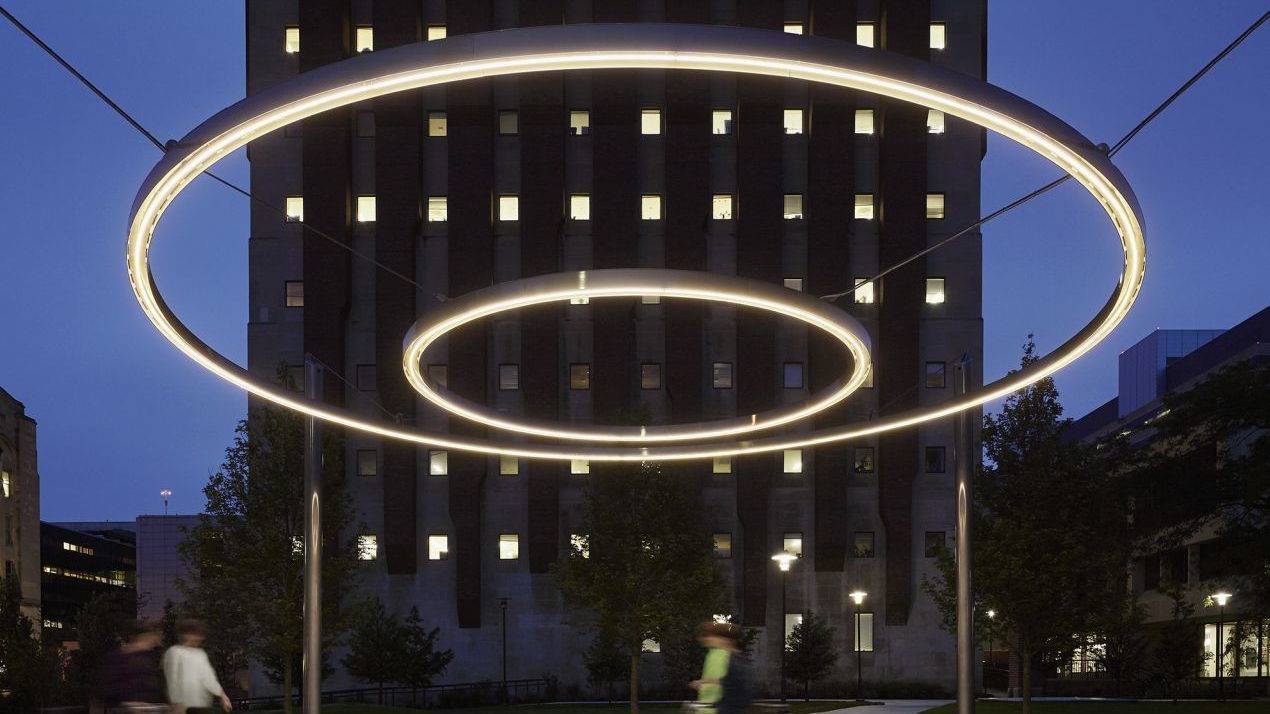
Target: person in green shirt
719, 639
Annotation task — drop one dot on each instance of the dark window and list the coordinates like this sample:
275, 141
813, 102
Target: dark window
935, 374
295, 377
1151, 572
934, 543
367, 462
935, 457
863, 544
793, 375
366, 377
650, 375
508, 122
10, 570
508, 377
864, 459
579, 376
1177, 565
365, 124
721, 375
439, 374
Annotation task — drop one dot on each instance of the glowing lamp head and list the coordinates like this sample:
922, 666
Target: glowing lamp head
165, 493
992, 614
784, 560
1221, 598
858, 596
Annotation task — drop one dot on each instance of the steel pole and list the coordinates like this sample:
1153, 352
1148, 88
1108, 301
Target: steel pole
312, 663
859, 668
504, 603
784, 635
963, 452
1221, 617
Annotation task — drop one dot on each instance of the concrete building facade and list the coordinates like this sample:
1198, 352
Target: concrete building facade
20, 501
159, 563
79, 561
485, 181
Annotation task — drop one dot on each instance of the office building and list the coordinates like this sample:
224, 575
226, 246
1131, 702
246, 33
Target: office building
81, 561
20, 502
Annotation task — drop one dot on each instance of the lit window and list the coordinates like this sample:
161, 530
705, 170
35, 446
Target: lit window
438, 547
863, 544
437, 124
508, 546
936, 457
934, 205
721, 122
793, 206
367, 547
650, 646
439, 463
650, 207
438, 209
868, 378
508, 376
650, 121
721, 375
365, 377
792, 375
935, 375
650, 375
793, 461
793, 28
864, 291
6, 484
508, 122
934, 542
723, 545
934, 291
367, 462
439, 374
864, 121
722, 465
579, 375
865, 34
650, 299
793, 121
81, 549
864, 206
792, 621
365, 209
580, 301
794, 284
792, 543
436, 32
509, 207
938, 36
295, 209
580, 207
579, 467
291, 40
721, 207
580, 545
365, 125
365, 39
864, 459
53, 624
508, 466
934, 121
579, 122
864, 626
295, 293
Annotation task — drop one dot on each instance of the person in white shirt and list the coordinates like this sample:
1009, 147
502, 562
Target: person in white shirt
191, 680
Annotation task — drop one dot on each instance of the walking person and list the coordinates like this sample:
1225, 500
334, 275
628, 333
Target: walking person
719, 639
130, 674
191, 680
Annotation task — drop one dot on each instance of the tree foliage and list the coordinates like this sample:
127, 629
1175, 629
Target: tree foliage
643, 565
101, 624
809, 652
246, 560
1174, 658
424, 661
28, 672
606, 663
382, 649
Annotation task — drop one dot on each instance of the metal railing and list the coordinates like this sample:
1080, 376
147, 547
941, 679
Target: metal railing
447, 696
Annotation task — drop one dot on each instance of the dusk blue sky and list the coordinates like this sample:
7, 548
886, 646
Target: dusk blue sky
121, 414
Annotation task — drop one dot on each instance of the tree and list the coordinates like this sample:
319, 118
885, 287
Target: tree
246, 559
28, 672
1175, 658
1124, 645
1051, 532
377, 647
606, 663
809, 652
424, 661
682, 657
643, 562
101, 624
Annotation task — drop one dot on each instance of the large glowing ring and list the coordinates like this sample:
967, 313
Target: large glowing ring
636, 46
636, 282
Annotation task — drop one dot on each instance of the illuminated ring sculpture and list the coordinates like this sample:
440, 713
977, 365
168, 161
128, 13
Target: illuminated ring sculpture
636, 46
636, 282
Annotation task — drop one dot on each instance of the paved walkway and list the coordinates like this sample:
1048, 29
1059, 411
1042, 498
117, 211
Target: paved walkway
895, 706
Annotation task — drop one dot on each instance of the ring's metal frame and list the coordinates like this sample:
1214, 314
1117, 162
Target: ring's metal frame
641, 46
636, 282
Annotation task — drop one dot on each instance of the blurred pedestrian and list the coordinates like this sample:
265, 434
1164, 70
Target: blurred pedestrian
191, 680
130, 674
719, 639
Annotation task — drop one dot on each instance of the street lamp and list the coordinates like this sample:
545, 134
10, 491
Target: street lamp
858, 597
992, 616
1221, 598
784, 560
166, 494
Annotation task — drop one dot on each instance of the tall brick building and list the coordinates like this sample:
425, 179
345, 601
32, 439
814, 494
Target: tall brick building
476, 183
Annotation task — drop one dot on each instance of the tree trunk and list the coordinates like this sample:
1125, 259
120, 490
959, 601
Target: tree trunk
635, 683
1026, 684
288, 685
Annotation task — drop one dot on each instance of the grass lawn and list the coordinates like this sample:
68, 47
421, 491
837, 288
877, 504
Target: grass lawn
795, 708
1182, 707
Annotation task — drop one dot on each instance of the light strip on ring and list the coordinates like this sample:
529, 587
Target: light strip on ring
642, 46
691, 285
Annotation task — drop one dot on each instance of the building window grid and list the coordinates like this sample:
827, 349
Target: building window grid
863, 462
721, 122
436, 32
650, 375
438, 124
936, 375
864, 207
580, 375
508, 122
865, 121
291, 40
650, 122
508, 546
721, 375
723, 545
792, 375
294, 290
936, 460
863, 544
508, 377
364, 39
438, 547
367, 462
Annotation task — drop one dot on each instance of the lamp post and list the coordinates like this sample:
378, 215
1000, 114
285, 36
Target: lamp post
502, 601
858, 597
784, 560
166, 494
992, 616
1221, 598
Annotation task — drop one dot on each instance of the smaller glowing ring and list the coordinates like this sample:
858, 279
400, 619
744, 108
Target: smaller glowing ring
636, 282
